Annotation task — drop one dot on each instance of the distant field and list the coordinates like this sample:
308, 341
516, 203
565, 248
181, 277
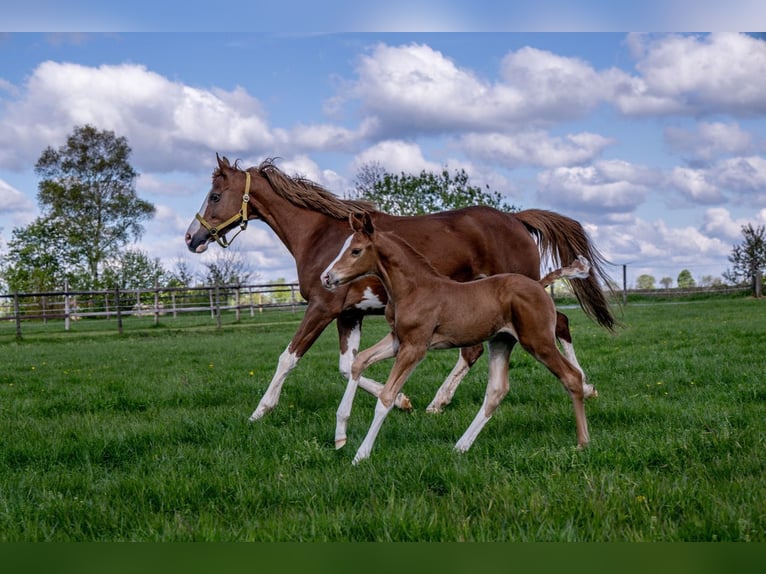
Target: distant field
145, 437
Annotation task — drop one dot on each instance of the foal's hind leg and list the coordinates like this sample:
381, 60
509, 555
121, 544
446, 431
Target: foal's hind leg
497, 387
548, 354
564, 337
443, 397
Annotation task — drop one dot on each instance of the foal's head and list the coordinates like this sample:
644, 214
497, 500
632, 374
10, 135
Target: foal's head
357, 257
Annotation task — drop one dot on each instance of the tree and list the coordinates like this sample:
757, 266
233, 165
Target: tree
134, 269
228, 268
407, 194
749, 258
666, 282
645, 281
87, 194
685, 279
37, 260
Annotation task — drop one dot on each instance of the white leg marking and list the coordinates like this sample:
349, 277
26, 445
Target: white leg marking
473, 429
287, 361
444, 395
568, 350
366, 447
344, 412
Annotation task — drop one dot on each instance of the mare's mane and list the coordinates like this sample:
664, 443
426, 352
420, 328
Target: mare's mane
305, 193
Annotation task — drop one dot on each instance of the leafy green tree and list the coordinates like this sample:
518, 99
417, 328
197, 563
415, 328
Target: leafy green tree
37, 260
748, 258
685, 279
87, 194
428, 192
134, 269
645, 281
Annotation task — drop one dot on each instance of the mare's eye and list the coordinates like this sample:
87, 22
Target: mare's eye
356, 252
215, 197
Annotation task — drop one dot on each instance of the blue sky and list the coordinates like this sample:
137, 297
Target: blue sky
656, 142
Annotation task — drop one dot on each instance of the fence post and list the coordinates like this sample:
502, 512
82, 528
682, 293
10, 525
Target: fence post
218, 306
119, 310
236, 298
67, 310
17, 314
156, 303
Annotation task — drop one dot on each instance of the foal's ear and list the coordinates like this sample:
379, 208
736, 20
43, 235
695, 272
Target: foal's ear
361, 222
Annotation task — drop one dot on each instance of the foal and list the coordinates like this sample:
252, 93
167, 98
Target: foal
431, 311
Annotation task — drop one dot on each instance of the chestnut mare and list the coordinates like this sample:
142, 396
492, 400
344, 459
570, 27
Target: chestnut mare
432, 311
464, 244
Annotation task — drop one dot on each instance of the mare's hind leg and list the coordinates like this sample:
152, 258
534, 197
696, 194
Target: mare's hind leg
564, 337
443, 397
497, 387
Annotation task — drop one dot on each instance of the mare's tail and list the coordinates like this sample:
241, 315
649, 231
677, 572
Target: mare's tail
564, 239
580, 269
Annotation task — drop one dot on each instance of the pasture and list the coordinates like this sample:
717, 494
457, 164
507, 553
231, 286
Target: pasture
144, 437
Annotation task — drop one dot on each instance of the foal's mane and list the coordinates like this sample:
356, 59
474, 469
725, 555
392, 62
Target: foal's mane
305, 193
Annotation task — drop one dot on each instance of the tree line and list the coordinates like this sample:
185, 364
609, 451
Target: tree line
90, 215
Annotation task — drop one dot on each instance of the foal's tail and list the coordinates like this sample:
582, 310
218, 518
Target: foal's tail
580, 269
564, 239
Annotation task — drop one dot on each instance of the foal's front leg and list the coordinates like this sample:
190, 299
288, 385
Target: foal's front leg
383, 349
407, 359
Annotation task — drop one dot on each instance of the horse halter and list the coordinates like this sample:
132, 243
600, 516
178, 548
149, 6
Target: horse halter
240, 217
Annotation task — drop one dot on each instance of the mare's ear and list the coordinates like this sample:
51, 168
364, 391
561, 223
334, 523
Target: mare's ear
223, 162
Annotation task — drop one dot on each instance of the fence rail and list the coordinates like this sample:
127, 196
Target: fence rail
160, 301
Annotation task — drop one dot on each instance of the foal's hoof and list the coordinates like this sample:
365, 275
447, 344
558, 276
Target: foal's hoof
340, 443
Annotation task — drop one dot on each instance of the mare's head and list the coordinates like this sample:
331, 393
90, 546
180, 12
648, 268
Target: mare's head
358, 256
225, 207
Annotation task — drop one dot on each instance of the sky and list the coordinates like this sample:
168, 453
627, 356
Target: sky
654, 141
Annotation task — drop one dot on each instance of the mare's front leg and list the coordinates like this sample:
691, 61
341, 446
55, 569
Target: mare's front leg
349, 336
314, 322
467, 358
407, 358
383, 349
497, 387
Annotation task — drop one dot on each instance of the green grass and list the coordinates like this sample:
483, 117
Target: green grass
145, 437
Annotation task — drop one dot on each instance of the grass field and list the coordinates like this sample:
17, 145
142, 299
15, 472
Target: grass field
145, 437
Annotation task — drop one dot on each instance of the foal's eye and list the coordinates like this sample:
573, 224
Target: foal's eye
356, 252
215, 197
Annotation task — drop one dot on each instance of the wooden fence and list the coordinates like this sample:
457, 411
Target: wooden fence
68, 306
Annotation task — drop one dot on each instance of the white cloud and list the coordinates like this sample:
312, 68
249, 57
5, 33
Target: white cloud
535, 148
607, 188
694, 184
168, 124
395, 156
745, 176
12, 200
709, 140
697, 74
